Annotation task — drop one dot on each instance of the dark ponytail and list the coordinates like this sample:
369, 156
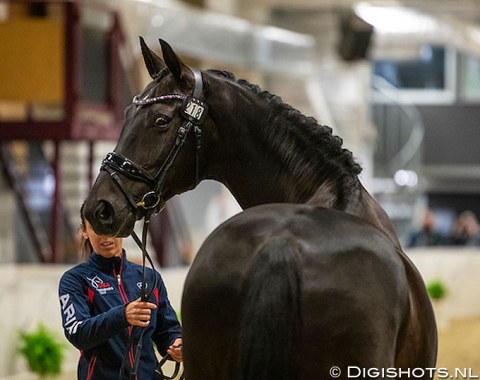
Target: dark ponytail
85, 247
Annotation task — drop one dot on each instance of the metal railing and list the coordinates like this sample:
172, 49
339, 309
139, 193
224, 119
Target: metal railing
35, 228
398, 154
400, 127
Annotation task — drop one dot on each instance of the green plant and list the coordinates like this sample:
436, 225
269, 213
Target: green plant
179, 316
436, 290
44, 354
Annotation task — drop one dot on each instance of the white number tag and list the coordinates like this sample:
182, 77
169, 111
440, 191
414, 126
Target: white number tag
194, 110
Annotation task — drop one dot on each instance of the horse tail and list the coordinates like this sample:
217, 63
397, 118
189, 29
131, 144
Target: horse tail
270, 326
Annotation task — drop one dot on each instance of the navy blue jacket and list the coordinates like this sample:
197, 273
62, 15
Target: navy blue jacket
93, 297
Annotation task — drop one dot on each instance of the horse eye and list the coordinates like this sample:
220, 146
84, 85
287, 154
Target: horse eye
161, 121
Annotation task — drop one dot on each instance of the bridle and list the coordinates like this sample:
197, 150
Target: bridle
194, 112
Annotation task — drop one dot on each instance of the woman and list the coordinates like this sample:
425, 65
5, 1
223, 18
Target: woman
466, 230
104, 317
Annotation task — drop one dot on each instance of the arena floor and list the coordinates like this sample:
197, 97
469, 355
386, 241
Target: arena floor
459, 345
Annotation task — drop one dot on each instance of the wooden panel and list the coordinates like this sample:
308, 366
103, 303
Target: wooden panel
32, 60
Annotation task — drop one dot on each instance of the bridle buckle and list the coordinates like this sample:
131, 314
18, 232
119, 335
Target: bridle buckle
149, 200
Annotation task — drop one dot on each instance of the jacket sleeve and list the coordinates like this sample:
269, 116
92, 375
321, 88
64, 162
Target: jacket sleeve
168, 328
81, 329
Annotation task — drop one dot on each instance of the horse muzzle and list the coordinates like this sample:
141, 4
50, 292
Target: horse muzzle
106, 221
108, 212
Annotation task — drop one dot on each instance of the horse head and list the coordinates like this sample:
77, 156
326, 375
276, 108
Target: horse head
157, 154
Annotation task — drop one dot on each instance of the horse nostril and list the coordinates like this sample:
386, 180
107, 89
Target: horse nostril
104, 212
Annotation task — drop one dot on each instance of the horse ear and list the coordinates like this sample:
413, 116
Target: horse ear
173, 62
153, 62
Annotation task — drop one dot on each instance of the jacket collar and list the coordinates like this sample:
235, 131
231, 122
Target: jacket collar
108, 264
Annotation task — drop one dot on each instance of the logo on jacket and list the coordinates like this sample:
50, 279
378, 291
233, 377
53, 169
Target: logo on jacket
139, 285
101, 286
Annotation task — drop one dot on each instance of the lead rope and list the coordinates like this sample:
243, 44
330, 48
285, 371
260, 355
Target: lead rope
142, 244
162, 376
144, 296
191, 120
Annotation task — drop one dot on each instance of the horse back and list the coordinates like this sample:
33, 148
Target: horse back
342, 281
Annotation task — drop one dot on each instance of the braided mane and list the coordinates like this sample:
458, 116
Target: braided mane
302, 143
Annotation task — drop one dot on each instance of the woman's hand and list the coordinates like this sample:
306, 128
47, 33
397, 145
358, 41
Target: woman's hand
175, 350
138, 312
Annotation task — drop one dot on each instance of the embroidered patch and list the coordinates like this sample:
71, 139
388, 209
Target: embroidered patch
101, 286
139, 285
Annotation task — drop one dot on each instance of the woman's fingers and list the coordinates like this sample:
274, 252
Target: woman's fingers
138, 312
142, 312
175, 350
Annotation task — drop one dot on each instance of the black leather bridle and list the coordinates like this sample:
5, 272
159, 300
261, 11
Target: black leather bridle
194, 112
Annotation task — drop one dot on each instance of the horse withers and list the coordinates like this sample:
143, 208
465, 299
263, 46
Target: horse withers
328, 252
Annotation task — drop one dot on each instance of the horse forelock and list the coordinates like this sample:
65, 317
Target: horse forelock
297, 139
156, 86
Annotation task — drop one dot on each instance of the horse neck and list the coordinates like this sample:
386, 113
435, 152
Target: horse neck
249, 163
252, 179
258, 189
252, 166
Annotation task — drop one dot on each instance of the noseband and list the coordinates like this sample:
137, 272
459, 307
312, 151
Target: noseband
194, 112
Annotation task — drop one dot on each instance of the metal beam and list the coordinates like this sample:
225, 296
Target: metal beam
214, 36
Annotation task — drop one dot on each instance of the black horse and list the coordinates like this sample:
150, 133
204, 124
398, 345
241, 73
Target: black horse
311, 283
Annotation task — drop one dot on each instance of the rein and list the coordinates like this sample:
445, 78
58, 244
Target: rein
194, 112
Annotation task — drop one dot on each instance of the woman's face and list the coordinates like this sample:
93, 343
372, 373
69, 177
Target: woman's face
104, 246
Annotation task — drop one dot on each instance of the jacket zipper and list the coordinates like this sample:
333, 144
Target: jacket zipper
120, 284
125, 300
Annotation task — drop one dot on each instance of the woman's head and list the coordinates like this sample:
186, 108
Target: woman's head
466, 224
105, 246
